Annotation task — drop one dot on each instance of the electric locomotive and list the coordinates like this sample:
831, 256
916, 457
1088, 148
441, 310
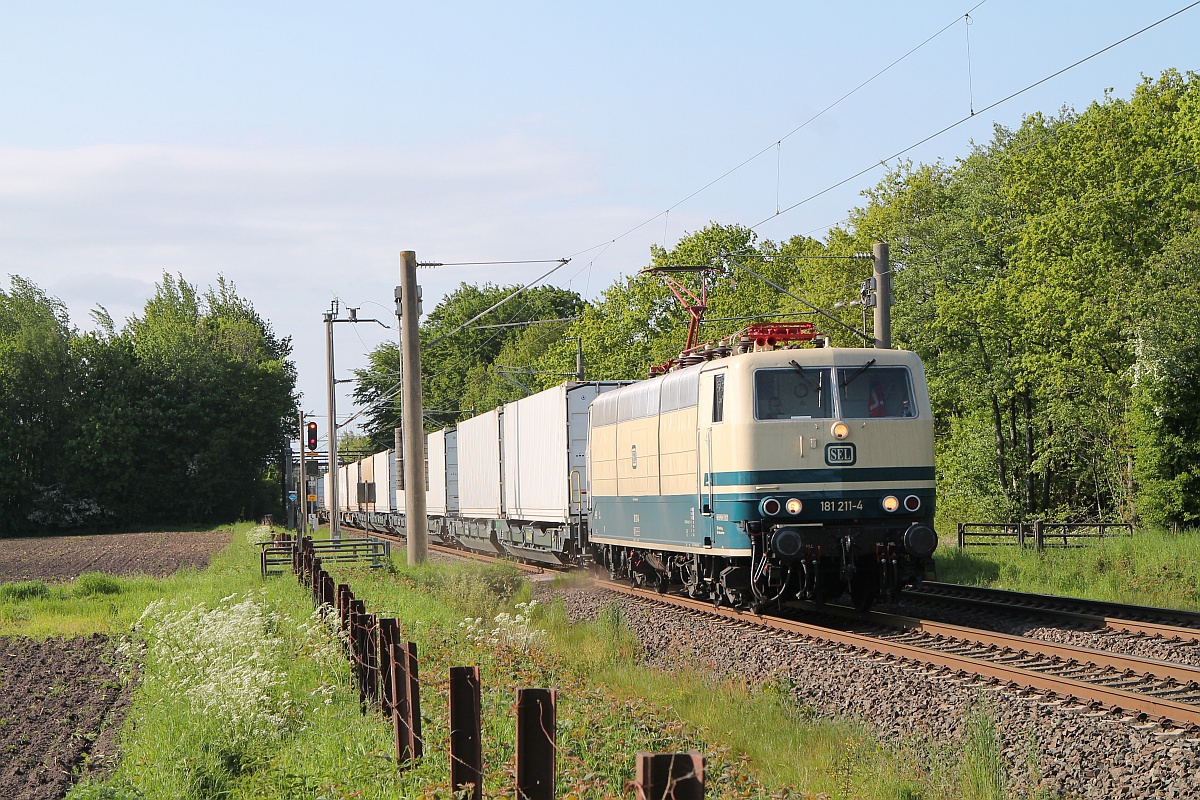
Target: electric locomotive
771, 469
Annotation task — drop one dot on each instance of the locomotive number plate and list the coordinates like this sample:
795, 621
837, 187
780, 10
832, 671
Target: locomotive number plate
840, 455
841, 505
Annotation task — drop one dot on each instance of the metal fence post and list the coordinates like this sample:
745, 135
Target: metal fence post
388, 634
371, 659
536, 749
669, 776
466, 743
406, 696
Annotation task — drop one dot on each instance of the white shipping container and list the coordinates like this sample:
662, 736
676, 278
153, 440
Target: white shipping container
479, 466
452, 504
326, 490
535, 456
382, 471
545, 444
391, 487
435, 445
348, 487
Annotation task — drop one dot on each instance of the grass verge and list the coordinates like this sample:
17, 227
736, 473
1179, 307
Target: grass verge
245, 694
1151, 567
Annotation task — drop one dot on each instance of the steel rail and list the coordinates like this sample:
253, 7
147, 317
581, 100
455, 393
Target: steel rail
1090, 693
1118, 616
1137, 665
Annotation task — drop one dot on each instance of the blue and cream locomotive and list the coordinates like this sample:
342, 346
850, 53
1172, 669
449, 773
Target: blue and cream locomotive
764, 474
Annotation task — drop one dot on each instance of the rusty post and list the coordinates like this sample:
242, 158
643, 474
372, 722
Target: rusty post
466, 741
389, 633
370, 652
344, 596
314, 580
669, 776
401, 720
356, 659
414, 701
358, 646
536, 737
406, 695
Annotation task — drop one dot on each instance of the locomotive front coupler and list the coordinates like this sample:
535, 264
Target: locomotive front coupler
848, 566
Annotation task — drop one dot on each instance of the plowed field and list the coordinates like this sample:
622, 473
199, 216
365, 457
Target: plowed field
60, 703
61, 700
62, 558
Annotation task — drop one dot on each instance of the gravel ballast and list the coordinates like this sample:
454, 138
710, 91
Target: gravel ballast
1051, 748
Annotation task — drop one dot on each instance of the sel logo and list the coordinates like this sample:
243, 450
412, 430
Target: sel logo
840, 455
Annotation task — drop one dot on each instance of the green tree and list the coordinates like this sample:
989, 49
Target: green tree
35, 409
1165, 400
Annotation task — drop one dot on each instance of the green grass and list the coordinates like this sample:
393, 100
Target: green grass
297, 732
1149, 568
99, 603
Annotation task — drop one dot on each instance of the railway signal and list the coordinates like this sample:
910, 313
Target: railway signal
312, 436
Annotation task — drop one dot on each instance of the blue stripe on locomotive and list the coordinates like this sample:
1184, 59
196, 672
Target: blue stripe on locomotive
675, 522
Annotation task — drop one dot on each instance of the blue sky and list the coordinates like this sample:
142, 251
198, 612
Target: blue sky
296, 148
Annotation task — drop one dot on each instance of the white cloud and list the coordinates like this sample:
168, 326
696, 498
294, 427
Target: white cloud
295, 227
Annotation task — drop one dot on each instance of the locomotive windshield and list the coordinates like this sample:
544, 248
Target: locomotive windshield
863, 392
794, 393
871, 391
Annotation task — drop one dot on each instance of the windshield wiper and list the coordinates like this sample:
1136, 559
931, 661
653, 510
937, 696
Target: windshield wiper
861, 370
819, 386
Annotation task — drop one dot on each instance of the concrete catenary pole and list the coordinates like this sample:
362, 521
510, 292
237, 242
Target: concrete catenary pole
301, 503
335, 530
416, 521
883, 296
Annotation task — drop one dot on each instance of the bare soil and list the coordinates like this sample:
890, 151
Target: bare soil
62, 558
61, 701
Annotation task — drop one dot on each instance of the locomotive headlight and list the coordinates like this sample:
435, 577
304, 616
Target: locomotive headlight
840, 430
770, 507
794, 506
891, 503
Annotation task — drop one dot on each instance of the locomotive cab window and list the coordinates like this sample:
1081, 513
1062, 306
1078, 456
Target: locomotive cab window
870, 391
794, 393
718, 403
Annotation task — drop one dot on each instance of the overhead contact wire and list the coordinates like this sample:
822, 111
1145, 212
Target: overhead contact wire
989, 107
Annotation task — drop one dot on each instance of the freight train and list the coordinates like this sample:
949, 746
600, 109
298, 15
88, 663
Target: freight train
765, 468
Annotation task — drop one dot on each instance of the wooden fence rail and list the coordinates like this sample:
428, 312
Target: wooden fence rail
386, 672
1038, 534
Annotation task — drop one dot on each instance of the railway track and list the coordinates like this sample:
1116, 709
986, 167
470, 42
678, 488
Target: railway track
1166, 623
1143, 689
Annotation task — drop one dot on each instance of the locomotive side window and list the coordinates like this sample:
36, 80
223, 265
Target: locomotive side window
718, 408
794, 393
871, 391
